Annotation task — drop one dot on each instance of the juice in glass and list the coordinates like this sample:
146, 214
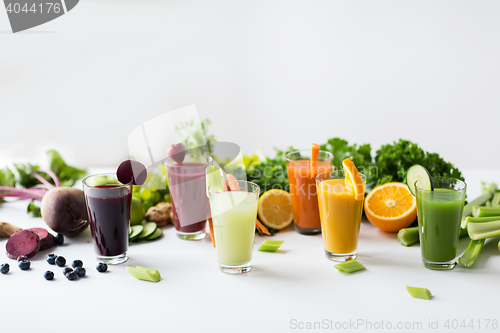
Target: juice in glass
190, 206
340, 215
439, 216
233, 215
303, 188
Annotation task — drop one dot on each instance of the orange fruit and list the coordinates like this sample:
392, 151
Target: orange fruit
353, 178
391, 207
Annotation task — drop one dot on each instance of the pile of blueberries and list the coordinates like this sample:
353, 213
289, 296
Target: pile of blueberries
70, 273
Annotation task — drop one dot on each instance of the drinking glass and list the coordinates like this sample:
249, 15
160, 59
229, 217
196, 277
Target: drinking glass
233, 214
340, 215
108, 205
439, 214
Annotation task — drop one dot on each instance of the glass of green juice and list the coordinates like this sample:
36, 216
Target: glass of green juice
439, 213
233, 214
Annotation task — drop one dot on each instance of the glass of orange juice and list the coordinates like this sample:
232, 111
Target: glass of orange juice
301, 178
340, 215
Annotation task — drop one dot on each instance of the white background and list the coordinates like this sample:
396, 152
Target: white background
266, 73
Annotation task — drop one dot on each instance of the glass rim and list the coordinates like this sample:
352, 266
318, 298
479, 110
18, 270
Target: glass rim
458, 181
256, 187
84, 181
363, 176
169, 164
287, 156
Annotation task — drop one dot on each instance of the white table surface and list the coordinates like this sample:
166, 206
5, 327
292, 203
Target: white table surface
284, 292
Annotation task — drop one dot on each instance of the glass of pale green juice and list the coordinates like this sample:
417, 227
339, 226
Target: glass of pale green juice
233, 214
439, 213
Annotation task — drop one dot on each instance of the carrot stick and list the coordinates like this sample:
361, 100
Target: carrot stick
211, 225
314, 156
261, 227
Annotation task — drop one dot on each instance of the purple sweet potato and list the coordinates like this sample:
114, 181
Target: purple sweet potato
64, 210
47, 240
23, 243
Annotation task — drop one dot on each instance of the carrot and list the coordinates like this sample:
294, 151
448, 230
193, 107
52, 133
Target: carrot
211, 225
261, 227
233, 186
314, 156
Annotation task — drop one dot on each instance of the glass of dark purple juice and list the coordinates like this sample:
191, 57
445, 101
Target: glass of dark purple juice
108, 204
188, 192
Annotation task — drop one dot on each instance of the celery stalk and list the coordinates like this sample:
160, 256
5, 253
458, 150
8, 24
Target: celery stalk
270, 245
480, 200
408, 236
485, 211
350, 266
416, 292
481, 230
468, 259
482, 219
495, 201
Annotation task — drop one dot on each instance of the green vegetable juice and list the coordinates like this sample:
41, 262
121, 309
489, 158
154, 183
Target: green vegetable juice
234, 214
439, 217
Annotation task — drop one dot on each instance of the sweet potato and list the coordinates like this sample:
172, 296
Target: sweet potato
23, 243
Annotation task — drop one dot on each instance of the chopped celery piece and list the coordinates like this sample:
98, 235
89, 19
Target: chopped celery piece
350, 266
416, 292
482, 219
485, 211
468, 259
495, 201
408, 236
481, 230
270, 245
480, 200
143, 273
487, 204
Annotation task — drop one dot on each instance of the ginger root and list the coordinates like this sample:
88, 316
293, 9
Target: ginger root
7, 229
161, 214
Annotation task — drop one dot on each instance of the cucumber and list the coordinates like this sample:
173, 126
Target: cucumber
418, 173
136, 231
148, 229
157, 234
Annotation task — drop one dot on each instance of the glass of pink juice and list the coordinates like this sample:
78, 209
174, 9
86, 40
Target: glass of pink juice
190, 205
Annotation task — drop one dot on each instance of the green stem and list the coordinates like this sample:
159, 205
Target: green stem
496, 200
468, 259
485, 211
409, 236
480, 200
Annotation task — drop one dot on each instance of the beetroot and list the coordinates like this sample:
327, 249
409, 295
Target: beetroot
47, 240
177, 152
64, 210
131, 171
23, 243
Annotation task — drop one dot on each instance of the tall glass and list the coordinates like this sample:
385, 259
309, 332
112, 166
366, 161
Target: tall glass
188, 192
303, 188
439, 214
340, 215
108, 205
233, 215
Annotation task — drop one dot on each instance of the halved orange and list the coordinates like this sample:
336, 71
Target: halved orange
391, 207
353, 178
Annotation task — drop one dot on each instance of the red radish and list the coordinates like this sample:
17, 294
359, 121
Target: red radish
177, 152
131, 171
47, 240
23, 243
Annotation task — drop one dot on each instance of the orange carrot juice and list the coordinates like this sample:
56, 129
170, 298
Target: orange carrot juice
340, 215
303, 191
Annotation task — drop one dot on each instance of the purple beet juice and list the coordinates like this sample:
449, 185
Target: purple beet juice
190, 205
109, 213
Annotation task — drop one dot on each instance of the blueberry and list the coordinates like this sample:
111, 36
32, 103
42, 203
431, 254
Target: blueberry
102, 267
51, 259
80, 271
71, 275
60, 261
48, 275
67, 270
59, 239
24, 264
77, 263
22, 258
4, 269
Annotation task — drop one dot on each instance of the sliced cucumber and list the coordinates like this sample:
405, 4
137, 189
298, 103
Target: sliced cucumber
157, 234
136, 231
418, 173
149, 228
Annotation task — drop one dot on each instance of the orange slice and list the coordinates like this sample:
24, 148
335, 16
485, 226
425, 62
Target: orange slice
391, 207
353, 178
